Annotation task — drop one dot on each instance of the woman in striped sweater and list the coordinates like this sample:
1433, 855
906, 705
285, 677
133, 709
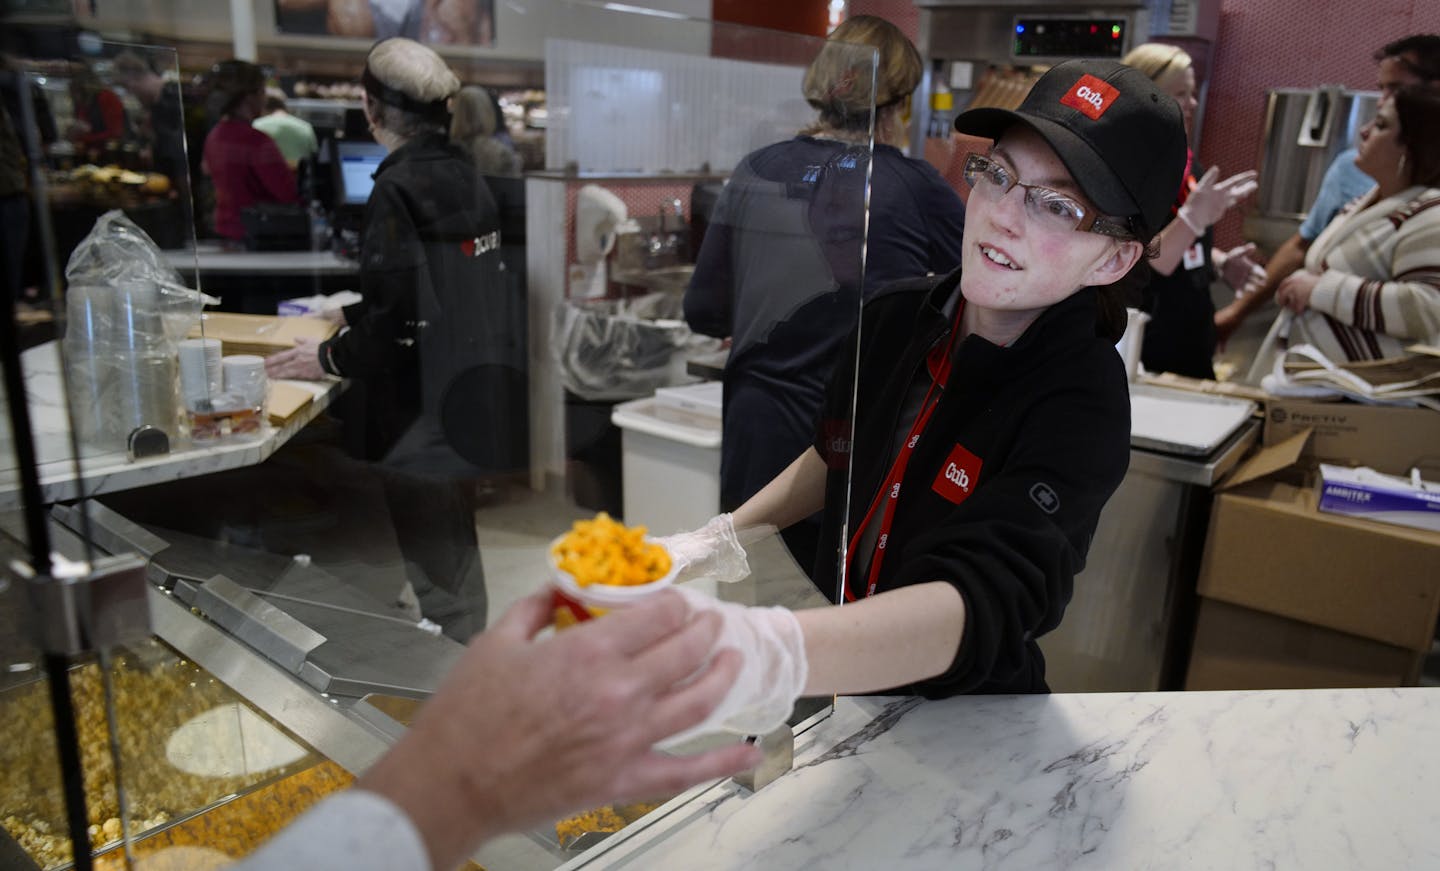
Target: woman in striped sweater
1371, 282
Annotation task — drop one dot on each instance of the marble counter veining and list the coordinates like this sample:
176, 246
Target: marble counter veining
109, 471
1278, 779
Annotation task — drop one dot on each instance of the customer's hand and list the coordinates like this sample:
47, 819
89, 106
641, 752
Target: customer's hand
523, 731
1211, 197
301, 361
713, 551
1239, 269
1294, 292
774, 670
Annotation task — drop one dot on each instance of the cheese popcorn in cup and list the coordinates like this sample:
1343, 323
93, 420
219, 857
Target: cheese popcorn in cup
602, 564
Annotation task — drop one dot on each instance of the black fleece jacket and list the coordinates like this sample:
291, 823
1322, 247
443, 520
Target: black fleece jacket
430, 240
1037, 431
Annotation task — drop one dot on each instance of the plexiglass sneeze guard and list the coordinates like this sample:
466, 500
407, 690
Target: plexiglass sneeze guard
681, 233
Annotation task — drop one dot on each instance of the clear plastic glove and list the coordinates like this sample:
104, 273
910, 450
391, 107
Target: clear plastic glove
1211, 198
772, 675
713, 551
1239, 269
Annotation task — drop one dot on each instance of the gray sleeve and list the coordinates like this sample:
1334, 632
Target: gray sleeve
355, 830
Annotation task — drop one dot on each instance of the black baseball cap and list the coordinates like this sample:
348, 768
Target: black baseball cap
1122, 138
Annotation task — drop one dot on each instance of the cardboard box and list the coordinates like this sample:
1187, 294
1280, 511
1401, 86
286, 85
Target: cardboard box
1385, 438
262, 335
1270, 549
1240, 649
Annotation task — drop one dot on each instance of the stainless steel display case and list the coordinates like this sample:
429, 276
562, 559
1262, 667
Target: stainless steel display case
208, 676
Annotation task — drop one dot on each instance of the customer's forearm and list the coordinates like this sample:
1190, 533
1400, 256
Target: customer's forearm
437, 799
1289, 257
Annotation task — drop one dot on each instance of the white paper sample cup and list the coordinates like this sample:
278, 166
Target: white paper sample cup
245, 377
201, 375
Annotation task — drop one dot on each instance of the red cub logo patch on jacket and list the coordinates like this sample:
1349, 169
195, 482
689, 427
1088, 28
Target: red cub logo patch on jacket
958, 475
1091, 96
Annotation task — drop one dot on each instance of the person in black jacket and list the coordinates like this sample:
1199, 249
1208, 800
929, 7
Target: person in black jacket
786, 257
992, 419
422, 343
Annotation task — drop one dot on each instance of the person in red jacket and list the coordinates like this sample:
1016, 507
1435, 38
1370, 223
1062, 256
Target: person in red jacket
244, 164
100, 118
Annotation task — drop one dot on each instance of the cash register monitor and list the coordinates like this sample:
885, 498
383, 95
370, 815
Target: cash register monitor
355, 165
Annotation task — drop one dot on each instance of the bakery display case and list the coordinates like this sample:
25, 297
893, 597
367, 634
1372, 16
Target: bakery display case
196, 651
111, 128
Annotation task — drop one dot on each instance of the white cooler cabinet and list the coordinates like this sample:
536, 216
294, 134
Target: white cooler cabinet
671, 462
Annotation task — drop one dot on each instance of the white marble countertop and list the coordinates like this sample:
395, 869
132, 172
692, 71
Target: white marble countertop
1303, 779
62, 478
212, 258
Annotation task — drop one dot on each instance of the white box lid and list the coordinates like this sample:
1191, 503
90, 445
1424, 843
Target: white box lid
703, 399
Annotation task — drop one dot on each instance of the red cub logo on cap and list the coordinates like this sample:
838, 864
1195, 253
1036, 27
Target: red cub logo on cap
1091, 96
958, 475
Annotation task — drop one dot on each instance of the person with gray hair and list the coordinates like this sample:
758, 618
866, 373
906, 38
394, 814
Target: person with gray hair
473, 128
424, 346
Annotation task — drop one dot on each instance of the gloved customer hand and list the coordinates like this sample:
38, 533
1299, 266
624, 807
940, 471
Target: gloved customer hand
1239, 269
1211, 198
772, 675
713, 551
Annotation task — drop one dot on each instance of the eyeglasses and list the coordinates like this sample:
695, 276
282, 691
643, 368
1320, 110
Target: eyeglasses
1047, 208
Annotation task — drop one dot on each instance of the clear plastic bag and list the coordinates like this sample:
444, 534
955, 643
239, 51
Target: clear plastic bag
613, 349
125, 310
117, 254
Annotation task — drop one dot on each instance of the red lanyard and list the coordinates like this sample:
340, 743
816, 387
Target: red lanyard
939, 368
1188, 184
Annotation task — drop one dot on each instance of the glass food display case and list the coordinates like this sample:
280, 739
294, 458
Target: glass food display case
201, 639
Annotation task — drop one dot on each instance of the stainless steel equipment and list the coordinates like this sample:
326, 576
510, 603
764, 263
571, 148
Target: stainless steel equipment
1304, 130
986, 30
962, 39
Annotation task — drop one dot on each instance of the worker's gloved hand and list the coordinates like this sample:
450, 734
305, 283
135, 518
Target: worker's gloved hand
1239, 269
713, 551
772, 675
1211, 198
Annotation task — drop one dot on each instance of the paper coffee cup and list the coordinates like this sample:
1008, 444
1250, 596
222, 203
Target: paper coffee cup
244, 376
200, 372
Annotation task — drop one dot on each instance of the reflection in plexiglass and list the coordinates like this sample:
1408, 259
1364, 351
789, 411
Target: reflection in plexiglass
546, 367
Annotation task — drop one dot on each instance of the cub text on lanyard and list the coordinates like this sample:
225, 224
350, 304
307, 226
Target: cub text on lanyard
884, 503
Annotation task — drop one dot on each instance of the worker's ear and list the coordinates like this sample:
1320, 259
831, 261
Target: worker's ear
1116, 264
368, 106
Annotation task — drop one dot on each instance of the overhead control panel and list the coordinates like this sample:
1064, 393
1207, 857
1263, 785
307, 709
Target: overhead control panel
1042, 37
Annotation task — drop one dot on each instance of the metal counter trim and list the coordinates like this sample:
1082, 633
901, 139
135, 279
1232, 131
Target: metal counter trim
322, 723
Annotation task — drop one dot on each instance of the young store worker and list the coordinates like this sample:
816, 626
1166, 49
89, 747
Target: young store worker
992, 419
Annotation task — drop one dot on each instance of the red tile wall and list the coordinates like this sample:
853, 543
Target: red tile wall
1292, 43
1263, 44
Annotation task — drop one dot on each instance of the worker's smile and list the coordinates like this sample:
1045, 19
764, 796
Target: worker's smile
998, 257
